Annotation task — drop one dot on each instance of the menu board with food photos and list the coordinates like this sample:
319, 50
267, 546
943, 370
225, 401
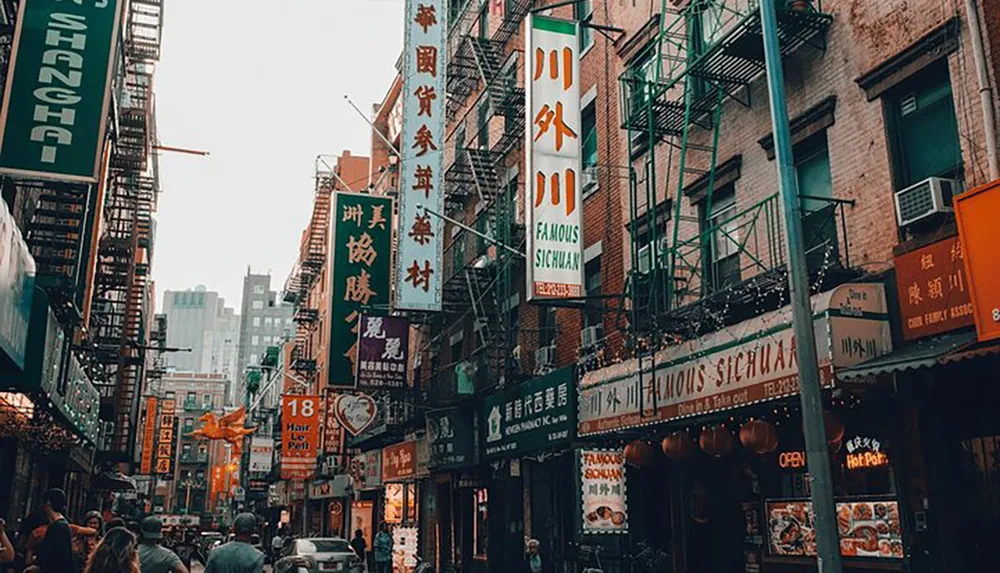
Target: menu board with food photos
602, 481
869, 528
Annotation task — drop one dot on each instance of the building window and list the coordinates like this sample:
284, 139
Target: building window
581, 11
483, 123
819, 217
257, 305
480, 523
253, 359
190, 398
923, 131
256, 321
642, 77
258, 289
206, 400
547, 326
588, 128
723, 236
484, 21
202, 450
268, 321
188, 425
267, 341
254, 340
592, 280
169, 396
186, 450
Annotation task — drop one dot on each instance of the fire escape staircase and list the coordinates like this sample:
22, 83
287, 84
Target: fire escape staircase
311, 263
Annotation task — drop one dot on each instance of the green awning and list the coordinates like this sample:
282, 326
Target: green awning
925, 353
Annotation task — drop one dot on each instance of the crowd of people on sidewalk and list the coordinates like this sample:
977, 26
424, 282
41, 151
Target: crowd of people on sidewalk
47, 542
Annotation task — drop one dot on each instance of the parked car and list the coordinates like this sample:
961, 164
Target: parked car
318, 555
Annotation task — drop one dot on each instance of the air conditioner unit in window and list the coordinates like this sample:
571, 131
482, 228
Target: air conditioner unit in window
545, 359
929, 197
589, 179
590, 336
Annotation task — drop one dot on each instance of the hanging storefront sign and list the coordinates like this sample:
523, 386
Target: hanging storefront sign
165, 443
750, 362
333, 432
361, 274
336, 486
55, 105
371, 470
603, 490
354, 412
977, 211
419, 260
383, 343
536, 415
451, 438
554, 204
148, 437
261, 452
17, 280
399, 461
864, 452
933, 289
299, 436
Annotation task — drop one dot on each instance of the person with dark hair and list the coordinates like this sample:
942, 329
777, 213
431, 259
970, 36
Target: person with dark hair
382, 549
83, 545
237, 556
115, 522
55, 552
153, 557
359, 546
116, 553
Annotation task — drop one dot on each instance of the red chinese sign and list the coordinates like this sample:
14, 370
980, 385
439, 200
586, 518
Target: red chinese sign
299, 436
933, 289
399, 461
148, 437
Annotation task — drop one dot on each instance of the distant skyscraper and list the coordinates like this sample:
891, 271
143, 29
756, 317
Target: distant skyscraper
264, 321
199, 320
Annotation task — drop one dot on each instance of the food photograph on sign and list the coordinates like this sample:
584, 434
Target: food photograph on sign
866, 528
603, 490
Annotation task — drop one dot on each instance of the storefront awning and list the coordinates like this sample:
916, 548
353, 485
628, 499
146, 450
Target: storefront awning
925, 353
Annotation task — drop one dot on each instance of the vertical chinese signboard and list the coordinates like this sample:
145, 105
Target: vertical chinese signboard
148, 437
602, 483
383, 343
554, 203
165, 441
260, 454
977, 211
361, 274
933, 289
299, 436
55, 104
418, 264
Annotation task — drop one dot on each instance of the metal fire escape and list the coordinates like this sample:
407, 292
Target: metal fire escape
300, 285
477, 274
120, 303
673, 92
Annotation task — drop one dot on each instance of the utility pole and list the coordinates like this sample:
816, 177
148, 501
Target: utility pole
810, 394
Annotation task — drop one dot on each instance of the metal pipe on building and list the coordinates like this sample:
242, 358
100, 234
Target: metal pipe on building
985, 90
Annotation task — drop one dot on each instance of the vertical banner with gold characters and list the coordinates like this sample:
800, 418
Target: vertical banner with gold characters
148, 437
167, 439
554, 205
361, 275
418, 265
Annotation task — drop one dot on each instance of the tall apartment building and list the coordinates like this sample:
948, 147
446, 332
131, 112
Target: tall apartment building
199, 320
264, 322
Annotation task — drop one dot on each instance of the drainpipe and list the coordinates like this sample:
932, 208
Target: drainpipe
985, 91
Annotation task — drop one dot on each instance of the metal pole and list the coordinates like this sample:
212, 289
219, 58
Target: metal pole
465, 227
824, 511
985, 90
388, 143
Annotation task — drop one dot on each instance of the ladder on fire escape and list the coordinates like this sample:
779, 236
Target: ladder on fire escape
311, 264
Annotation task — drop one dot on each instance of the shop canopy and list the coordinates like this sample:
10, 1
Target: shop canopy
925, 353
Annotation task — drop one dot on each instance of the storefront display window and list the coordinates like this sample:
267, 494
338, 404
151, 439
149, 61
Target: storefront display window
401, 505
480, 523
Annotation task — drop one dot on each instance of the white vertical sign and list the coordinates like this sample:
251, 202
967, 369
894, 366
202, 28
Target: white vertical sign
554, 204
419, 260
261, 452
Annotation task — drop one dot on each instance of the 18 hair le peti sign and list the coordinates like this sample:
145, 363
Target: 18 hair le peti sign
56, 99
554, 204
299, 436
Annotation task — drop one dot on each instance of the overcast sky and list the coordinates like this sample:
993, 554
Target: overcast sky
260, 85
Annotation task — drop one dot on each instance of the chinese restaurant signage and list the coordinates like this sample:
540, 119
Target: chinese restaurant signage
418, 262
977, 212
165, 444
602, 483
554, 204
933, 289
863, 453
361, 273
17, 279
299, 436
55, 105
148, 437
261, 450
750, 362
333, 433
535, 415
869, 528
451, 438
383, 343
399, 461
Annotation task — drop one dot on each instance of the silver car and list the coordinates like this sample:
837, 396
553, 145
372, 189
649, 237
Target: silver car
318, 555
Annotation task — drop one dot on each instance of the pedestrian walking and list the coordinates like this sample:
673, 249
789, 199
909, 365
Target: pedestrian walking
55, 550
382, 549
117, 552
276, 544
153, 557
359, 546
534, 562
84, 545
237, 556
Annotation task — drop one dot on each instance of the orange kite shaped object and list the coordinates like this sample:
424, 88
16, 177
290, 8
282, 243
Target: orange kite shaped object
229, 427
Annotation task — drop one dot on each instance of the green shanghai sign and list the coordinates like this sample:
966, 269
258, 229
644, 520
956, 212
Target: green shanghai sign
56, 100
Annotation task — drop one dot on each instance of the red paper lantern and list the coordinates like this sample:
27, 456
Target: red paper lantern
834, 431
639, 453
759, 436
716, 441
677, 446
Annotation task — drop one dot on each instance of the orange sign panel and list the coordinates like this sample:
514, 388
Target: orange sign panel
933, 289
148, 433
300, 423
977, 211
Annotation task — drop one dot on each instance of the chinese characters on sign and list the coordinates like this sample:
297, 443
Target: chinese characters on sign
399, 461
299, 436
451, 438
553, 204
535, 415
976, 211
260, 454
602, 482
56, 100
864, 452
148, 437
361, 274
418, 262
383, 342
933, 289
165, 444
